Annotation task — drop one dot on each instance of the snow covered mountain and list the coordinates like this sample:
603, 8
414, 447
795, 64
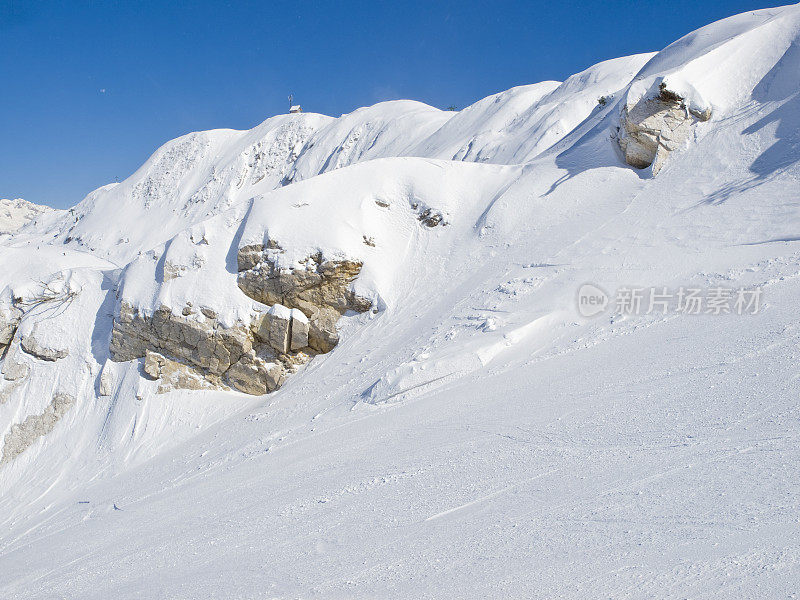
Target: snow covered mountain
545, 346
14, 214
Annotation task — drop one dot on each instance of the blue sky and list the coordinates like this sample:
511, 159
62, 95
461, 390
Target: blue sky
90, 88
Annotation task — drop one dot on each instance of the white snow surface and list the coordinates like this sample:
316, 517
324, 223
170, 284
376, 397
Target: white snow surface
472, 436
15, 214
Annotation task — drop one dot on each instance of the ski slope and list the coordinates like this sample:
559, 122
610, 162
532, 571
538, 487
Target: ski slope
472, 434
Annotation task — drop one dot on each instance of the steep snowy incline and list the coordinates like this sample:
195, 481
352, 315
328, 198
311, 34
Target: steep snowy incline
468, 433
185, 181
379, 213
382, 218
515, 126
383, 130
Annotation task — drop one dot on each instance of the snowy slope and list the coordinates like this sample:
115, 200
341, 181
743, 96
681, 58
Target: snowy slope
201, 174
14, 214
185, 181
471, 435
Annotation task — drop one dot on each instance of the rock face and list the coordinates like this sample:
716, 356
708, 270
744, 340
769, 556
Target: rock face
22, 435
31, 345
179, 351
13, 369
9, 320
284, 329
653, 127
299, 330
257, 374
316, 281
318, 288
192, 351
5, 391
202, 343
183, 353
105, 383
276, 328
322, 335
173, 375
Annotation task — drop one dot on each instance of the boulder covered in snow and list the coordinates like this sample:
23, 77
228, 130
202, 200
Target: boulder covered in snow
31, 344
655, 125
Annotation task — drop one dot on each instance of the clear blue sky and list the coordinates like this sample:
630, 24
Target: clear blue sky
90, 88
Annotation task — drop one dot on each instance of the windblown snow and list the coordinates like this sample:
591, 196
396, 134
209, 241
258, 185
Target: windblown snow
347, 357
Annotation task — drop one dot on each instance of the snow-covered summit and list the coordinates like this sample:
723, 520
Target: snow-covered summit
14, 214
201, 174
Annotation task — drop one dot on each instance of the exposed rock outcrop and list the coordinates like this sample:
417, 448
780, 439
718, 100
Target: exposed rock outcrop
652, 127
257, 374
322, 334
195, 354
200, 342
173, 375
14, 369
9, 320
181, 351
193, 351
22, 435
299, 330
284, 329
319, 288
431, 218
276, 328
171, 271
105, 383
316, 281
6, 390
31, 345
